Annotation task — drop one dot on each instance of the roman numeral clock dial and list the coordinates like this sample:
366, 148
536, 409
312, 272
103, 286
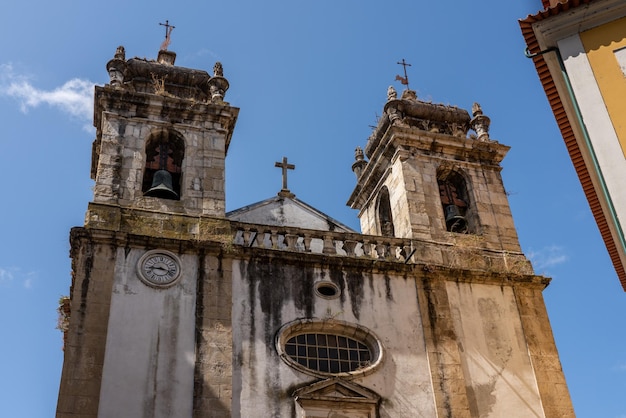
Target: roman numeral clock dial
159, 268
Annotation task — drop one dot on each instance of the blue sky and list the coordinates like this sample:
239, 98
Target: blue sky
310, 78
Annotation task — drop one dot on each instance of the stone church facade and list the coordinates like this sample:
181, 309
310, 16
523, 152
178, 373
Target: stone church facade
179, 309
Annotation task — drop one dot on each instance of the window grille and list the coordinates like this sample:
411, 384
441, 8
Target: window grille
328, 353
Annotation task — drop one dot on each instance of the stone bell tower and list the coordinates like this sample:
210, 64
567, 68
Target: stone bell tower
134, 347
162, 131
427, 179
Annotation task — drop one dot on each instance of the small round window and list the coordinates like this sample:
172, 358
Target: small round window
328, 348
327, 290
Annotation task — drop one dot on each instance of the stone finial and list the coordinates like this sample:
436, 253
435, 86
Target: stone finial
218, 84
358, 154
120, 53
360, 162
476, 109
392, 94
117, 67
218, 70
480, 123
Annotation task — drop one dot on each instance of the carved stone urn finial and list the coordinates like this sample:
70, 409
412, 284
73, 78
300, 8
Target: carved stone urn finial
117, 67
218, 84
359, 163
218, 70
480, 123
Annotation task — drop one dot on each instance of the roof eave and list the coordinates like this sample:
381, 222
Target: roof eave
565, 126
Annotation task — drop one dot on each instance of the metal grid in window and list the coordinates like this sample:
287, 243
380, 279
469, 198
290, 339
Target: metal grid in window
328, 353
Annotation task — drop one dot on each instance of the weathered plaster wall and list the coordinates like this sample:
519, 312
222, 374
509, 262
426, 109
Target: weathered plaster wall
150, 345
499, 376
269, 293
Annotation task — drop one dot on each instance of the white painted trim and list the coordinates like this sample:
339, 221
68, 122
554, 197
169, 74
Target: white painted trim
602, 135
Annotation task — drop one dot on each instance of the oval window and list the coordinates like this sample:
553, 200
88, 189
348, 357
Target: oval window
328, 348
327, 290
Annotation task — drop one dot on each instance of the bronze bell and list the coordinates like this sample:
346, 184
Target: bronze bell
162, 186
454, 221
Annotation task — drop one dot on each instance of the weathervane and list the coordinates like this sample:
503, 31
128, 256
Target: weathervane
285, 166
168, 31
404, 80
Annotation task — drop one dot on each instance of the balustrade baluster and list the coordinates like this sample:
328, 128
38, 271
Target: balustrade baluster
329, 247
349, 247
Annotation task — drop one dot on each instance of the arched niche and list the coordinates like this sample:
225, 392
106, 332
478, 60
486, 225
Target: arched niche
165, 150
385, 218
455, 200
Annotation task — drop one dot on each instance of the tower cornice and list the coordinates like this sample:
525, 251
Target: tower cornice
411, 140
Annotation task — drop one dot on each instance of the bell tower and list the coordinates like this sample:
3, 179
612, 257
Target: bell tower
162, 137
427, 179
146, 263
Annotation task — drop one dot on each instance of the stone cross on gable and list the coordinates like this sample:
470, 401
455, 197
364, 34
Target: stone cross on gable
284, 192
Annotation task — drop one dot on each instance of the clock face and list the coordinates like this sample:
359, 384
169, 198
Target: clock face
159, 268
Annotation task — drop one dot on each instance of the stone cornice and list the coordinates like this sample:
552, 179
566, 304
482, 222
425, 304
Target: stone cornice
416, 271
409, 140
170, 109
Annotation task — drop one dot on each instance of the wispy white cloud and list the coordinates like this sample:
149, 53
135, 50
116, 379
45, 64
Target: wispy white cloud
547, 257
6, 276
74, 97
14, 275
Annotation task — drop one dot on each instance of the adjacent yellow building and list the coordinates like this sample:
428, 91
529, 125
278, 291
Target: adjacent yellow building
579, 50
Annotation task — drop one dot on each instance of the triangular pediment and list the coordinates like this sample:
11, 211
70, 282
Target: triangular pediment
289, 212
336, 390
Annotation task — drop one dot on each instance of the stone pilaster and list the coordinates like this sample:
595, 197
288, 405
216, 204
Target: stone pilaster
442, 348
92, 280
213, 385
543, 353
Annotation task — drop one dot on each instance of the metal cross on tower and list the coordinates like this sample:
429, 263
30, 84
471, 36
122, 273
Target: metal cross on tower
168, 31
285, 166
404, 80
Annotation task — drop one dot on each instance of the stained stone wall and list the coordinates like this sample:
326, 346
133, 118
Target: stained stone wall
125, 122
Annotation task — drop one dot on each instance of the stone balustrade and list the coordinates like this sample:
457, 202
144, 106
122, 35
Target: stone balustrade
322, 242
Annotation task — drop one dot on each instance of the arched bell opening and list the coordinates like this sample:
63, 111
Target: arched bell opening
165, 151
385, 219
455, 201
